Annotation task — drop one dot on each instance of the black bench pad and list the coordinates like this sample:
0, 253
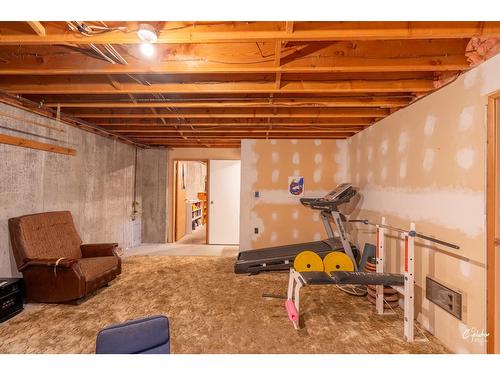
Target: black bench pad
316, 278
359, 278
367, 278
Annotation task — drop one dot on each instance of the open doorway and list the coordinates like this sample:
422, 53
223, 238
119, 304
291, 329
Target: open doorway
493, 224
190, 201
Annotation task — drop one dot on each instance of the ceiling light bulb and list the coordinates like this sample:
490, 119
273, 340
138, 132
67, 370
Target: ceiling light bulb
147, 49
147, 33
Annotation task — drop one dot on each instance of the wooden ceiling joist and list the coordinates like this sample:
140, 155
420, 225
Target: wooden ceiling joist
242, 122
337, 65
230, 32
212, 84
354, 86
38, 28
189, 127
217, 137
270, 103
223, 131
311, 57
245, 113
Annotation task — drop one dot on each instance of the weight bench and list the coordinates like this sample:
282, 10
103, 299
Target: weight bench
297, 280
403, 284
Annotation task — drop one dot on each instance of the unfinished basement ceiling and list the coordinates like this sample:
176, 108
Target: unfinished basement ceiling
214, 83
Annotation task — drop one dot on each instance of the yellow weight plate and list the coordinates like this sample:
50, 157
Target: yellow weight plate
337, 261
307, 261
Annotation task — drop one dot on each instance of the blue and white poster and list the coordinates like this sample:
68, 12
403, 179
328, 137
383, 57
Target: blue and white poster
296, 186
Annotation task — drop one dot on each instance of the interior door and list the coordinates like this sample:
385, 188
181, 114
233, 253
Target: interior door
497, 230
224, 201
180, 201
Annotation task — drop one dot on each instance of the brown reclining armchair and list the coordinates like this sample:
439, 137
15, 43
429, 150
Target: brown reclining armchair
56, 266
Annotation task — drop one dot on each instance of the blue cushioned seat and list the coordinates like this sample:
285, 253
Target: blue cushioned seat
141, 336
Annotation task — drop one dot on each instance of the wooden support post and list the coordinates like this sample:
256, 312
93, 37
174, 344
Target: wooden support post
21, 142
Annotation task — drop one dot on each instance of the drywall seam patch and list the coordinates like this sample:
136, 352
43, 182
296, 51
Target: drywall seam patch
430, 124
465, 157
403, 141
465, 120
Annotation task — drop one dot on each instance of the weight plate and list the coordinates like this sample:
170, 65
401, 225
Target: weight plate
391, 304
387, 297
307, 261
387, 290
337, 261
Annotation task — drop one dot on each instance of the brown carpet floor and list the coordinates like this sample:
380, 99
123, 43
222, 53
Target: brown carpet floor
212, 310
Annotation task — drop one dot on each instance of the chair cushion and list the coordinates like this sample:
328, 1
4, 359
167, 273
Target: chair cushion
49, 235
141, 336
93, 268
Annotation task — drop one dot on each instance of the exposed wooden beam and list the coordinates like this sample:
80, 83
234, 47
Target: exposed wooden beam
77, 86
82, 65
38, 28
277, 84
238, 131
22, 142
316, 113
205, 144
117, 85
241, 32
269, 103
217, 137
129, 95
165, 123
248, 122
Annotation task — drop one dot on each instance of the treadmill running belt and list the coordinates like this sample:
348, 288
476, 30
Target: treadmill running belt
292, 250
281, 258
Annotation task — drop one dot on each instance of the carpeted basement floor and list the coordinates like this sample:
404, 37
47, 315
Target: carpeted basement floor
212, 310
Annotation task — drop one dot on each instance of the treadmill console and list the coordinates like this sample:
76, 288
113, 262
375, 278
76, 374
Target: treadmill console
338, 192
341, 194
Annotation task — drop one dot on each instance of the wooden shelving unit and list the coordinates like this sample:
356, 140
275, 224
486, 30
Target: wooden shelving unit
194, 215
202, 196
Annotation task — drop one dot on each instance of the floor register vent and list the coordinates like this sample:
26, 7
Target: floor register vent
446, 298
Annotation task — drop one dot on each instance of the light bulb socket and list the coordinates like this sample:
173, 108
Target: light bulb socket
147, 33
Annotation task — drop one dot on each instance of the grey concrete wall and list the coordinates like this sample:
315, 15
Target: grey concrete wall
96, 185
152, 171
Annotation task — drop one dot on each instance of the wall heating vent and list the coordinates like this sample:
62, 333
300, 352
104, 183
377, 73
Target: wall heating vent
446, 298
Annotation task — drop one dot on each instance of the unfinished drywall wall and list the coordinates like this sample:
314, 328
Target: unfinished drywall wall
96, 185
152, 184
266, 166
426, 164
192, 154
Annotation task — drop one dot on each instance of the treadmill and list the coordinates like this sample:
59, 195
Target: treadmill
280, 258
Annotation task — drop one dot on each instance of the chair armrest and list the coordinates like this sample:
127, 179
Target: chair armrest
98, 250
63, 263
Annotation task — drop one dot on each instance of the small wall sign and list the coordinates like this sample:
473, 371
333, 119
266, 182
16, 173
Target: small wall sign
296, 186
